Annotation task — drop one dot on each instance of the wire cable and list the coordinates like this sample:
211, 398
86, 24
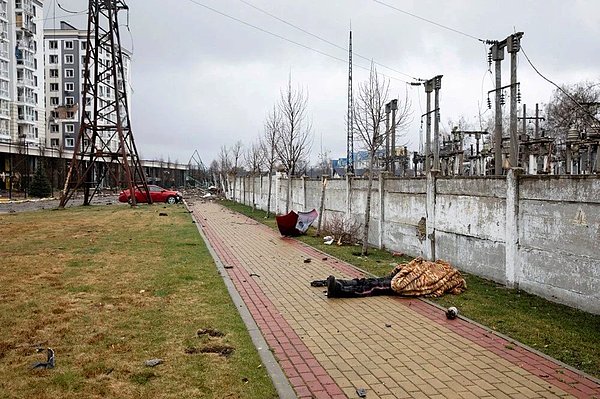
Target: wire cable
429, 21
69, 11
323, 39
288, 40
570, 97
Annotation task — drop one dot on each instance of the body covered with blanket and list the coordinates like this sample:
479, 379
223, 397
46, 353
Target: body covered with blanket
415, 278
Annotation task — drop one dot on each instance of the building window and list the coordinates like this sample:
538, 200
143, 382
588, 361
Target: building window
54, 114
53, 59
83, 45
54, 128
69, 100
53, 44
54, 73
69, 73
53, 142
70, 115
54, 101
69, 86
69, 128
69, 142
69, 59
69, 44
53, 86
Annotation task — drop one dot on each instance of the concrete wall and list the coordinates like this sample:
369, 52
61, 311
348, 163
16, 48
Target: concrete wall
538, 233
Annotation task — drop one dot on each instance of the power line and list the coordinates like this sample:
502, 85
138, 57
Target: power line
69, 11
429, 21
286, 39
323, 39
559, 88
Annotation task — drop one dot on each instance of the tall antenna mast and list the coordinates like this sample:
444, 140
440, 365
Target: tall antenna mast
350, 119
104, 144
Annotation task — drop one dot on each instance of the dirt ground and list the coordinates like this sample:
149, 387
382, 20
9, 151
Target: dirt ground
35, 204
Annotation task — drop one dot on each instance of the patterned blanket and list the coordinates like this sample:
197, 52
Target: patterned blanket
430, 279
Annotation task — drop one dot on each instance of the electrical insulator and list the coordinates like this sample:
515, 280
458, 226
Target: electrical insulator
489, 106
502, 99
519, 96
490, 59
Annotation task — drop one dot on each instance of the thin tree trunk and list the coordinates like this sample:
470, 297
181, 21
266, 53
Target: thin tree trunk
289, 194
365, 244
269, 194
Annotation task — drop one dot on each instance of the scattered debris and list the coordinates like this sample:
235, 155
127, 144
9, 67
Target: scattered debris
451, 313
162, 214
328, 240
153, 362
388, 325
325, 258
307, 260
294, 224
361, 392
142, 291
211, 332
49, 363
244, 380
254, 274
221, 350
397, 253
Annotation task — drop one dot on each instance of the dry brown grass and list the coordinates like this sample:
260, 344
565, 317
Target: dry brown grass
108, 288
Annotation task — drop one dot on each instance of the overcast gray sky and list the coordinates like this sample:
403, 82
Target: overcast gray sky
202, 80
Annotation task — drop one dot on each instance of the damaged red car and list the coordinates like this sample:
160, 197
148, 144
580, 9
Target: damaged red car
157, 193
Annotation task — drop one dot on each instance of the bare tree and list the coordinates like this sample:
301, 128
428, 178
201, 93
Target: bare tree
576, 106
224, 168
369, 115
295, 139
269, 145
236, 155
254, 161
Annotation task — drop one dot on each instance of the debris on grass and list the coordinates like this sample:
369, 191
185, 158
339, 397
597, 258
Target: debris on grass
153, 362
211, 332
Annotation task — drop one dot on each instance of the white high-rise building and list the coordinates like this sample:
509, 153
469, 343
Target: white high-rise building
22, 111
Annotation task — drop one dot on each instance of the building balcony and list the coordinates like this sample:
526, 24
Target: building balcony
26, 119
26, 63
24, 81
29, 100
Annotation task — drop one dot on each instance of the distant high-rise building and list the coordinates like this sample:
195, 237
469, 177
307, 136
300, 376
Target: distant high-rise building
65, 68
21, 74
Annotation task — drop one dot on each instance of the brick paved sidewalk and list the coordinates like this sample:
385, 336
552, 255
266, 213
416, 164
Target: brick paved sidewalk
392, 347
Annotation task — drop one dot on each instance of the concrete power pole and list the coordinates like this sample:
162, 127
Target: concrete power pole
513, 44
497, 57
428, 90
437, 85
387, 136
394, 105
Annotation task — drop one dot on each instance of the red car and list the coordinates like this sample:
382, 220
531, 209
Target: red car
158, 194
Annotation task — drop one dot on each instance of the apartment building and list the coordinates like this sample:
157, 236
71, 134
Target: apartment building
64, 71
22, 111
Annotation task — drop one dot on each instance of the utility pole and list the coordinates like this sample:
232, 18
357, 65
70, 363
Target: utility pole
428, 90
394, 106
497, 56
387, 137
107, 122
513, 45
437, 85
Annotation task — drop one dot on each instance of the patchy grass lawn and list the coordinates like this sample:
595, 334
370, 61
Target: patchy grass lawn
109, 288
564, 333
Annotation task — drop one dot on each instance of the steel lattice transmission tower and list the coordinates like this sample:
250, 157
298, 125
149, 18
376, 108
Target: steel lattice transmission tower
350, 117
104, 146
